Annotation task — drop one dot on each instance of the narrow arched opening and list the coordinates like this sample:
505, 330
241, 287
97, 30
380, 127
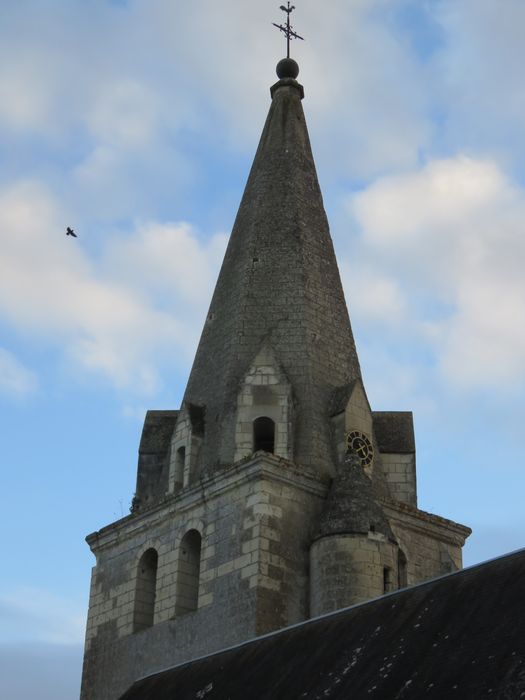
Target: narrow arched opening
402, 581
263, 434
388, 584
187, 595
145, 591
180, 462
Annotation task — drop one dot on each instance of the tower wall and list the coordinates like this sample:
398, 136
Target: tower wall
256, 522
347, 569
400, 474
432, 545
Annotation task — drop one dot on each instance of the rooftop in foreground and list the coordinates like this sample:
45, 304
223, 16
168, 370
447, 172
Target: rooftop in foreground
458, 636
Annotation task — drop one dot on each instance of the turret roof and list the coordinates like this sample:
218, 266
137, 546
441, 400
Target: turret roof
353, 503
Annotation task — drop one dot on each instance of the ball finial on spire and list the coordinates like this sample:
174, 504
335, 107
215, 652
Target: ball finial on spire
287, 68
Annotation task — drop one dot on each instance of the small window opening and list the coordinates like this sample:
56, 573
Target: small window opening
187, 596
387, 580
145, 591
263, 435
401, 569
180, 461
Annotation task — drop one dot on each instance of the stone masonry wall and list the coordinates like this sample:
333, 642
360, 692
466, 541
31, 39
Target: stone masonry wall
400, 473
256, 524
432, 545
348, 569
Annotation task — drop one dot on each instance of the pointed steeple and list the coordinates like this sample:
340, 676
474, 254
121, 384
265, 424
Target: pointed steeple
276, 371
278, 287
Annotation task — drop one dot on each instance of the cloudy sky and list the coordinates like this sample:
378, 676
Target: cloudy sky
136, 122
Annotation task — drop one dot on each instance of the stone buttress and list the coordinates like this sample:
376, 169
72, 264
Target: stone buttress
275, 493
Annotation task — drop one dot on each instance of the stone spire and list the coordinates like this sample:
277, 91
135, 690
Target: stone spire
279, 287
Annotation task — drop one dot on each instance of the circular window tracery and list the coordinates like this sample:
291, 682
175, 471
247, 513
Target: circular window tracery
359, 443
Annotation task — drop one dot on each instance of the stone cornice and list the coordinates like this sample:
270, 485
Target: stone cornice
262, 466
420, 521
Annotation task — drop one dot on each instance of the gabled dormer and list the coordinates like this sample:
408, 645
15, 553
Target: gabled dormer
353, 426
384, 440
154, 457
264, 418
186, 444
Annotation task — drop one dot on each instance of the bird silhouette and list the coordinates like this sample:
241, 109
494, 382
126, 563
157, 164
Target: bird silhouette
70, 232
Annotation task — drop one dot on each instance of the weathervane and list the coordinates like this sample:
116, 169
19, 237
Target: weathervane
287, 28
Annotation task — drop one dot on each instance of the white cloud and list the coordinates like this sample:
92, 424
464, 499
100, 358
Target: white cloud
124, 113
367, 118
394, 382
479, 77
451, 234
443, 194
150, 71
169, 261
15, 379
155, 68
364, 117
141, 308
226, 49
126, 84
44, 67
21, 108
35, 615
374, 297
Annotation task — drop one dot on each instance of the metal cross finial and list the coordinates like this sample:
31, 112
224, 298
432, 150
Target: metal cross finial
287, 28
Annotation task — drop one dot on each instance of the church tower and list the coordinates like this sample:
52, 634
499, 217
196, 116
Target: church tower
275, 493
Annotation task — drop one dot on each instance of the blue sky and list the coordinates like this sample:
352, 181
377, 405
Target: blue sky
136, 123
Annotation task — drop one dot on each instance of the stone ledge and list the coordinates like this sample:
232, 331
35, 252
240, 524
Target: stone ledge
261, 467
420, 521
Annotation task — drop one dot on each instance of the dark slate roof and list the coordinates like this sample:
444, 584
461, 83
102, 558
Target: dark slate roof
352, 505
460, 636
394, 431
279, 284
340, 398
157, 431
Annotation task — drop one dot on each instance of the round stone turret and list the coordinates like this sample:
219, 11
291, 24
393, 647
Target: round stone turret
355, 556
287, 68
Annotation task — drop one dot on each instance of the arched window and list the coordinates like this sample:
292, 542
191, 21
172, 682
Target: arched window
263, 434
180, 461
387, 580
401, 569
145, 589
188, 573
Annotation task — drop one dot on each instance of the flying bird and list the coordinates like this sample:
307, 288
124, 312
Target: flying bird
70, 232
